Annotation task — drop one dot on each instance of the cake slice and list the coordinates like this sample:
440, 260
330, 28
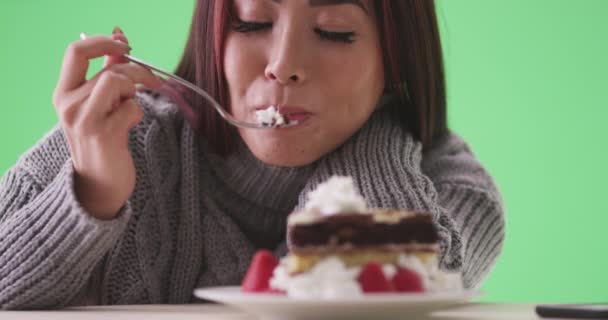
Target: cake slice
379, 235
341, 248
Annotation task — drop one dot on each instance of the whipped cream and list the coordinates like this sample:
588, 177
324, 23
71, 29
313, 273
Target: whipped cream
269, 117
389, 270
433, 279
328, 279
331, 279
334, 196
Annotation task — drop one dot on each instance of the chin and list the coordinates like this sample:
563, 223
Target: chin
286, 159
281, 152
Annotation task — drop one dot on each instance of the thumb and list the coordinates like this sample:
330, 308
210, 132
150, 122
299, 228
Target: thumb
117, 34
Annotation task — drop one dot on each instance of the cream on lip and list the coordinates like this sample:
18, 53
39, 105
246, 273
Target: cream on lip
270, 117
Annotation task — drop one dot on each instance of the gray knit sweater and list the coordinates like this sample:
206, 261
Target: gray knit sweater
196, 219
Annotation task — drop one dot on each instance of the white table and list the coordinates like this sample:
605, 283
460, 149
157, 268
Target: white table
475, 311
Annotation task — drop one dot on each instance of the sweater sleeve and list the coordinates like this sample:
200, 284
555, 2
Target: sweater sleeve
471, 199
49, 245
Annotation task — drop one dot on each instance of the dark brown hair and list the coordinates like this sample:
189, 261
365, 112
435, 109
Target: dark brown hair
412, 57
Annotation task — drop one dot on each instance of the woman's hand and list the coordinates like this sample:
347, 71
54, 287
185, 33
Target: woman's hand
96, 116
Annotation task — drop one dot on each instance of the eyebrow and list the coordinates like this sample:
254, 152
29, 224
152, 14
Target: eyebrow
318, 3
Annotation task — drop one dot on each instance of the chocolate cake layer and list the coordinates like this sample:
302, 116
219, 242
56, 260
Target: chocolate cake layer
363, 230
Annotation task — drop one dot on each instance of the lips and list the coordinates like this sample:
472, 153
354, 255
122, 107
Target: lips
286, 110
293, 111
299, 116
295, 115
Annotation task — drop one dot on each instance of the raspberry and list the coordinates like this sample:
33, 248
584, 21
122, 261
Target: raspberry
260, 271
372, 279
407, 280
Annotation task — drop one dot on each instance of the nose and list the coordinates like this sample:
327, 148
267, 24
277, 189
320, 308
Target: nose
286, 62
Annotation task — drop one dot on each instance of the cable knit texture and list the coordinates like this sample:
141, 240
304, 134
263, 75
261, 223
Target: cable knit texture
196, 219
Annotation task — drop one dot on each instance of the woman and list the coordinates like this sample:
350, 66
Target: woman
140, 197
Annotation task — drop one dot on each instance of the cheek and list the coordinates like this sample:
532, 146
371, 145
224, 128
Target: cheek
240, 68
233, 64
354, 83
352, 73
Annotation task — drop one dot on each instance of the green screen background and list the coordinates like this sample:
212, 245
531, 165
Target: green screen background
526, 86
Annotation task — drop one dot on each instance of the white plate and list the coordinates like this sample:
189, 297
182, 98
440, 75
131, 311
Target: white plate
372, 306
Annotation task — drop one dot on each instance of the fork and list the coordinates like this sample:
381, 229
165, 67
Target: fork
223, 113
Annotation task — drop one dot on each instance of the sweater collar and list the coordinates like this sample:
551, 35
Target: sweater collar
269, 186
266, 185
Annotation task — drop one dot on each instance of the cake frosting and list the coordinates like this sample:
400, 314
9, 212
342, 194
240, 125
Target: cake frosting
336, 195
270, 117
331, 279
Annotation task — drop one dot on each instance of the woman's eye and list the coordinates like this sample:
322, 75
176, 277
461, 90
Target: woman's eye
247, 26
252, 26
345, 37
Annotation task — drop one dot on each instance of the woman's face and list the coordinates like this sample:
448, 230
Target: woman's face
318, 61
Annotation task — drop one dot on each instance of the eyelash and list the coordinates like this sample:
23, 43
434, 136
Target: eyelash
246, 26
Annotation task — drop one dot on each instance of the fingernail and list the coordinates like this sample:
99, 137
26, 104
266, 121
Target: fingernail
117, 30
125, 45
